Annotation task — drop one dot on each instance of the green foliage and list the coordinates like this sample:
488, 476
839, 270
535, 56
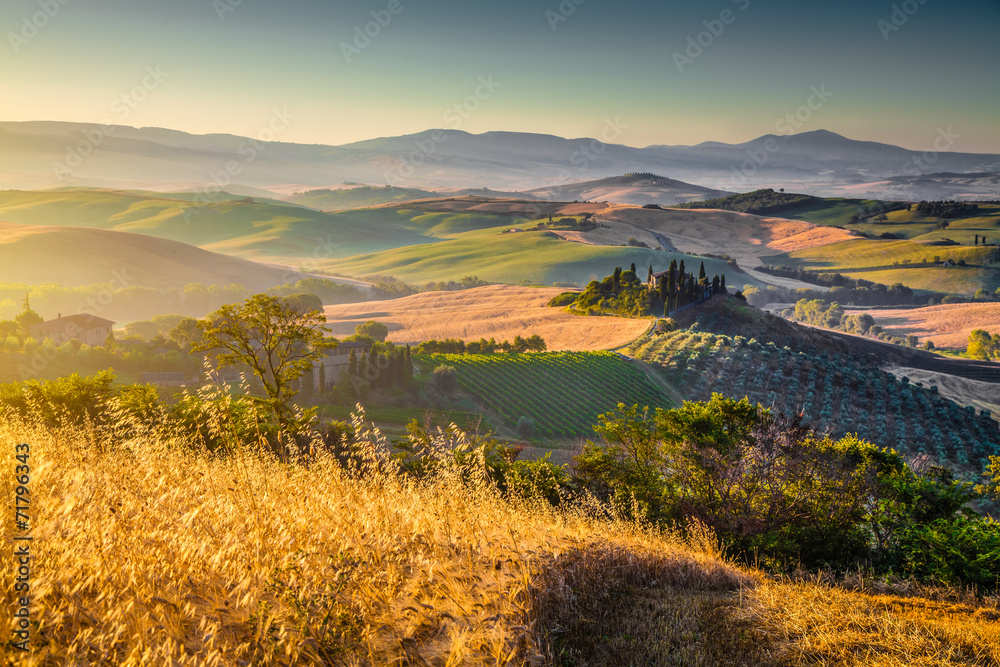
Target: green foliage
525, 427
304, 302
67, 401
983, 346
278, 340
372, 329
533, 343
564, 299
779, 494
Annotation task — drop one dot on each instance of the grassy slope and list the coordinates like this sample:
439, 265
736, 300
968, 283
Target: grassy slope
563, 392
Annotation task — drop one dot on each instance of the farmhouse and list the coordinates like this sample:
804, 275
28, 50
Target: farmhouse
654, 279
85, 328
336, 361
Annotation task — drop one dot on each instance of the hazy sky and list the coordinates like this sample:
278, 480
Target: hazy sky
676, 72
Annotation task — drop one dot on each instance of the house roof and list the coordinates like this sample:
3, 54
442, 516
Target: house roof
84, 321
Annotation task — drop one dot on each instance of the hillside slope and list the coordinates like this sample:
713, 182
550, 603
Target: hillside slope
73, 256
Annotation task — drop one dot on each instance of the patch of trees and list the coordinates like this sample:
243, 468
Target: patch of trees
676, 288
758, 202
843, 289
533, 343
831, 315
946, 209
384, 367
983, 346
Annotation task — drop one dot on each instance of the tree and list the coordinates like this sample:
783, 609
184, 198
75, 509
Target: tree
525, 427
185, 332
446, 379
702, 277
277, 339
372, 329
28, 318
632, 268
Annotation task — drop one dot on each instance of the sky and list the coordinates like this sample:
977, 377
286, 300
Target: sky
664, 72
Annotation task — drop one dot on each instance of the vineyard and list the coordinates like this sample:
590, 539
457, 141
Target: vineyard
837, 393
562, 392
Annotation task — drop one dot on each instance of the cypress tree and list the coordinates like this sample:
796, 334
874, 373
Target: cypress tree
649, 276
715, 285
672, 278
722, 284
662, 288
702, 278
633, 267
352, 364
681, 276
408, 366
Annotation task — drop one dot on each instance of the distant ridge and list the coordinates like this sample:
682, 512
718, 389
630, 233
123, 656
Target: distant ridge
47, 154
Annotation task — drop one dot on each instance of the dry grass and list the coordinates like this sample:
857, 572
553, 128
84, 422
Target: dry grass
147, 554
150, 553
494, 311
946, 325
812, 624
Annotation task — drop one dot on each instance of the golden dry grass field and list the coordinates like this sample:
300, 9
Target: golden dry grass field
493, 311
946, 325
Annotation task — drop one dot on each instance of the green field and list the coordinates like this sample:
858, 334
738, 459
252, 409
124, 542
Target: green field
563, 392
916, 265
535, 257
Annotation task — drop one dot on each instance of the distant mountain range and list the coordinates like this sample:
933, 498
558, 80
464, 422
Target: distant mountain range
47, 154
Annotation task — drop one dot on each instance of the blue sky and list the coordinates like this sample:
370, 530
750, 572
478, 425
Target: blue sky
673, 72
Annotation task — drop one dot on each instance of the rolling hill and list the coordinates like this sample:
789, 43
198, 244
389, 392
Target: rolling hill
73, 256
350, 197
628, 189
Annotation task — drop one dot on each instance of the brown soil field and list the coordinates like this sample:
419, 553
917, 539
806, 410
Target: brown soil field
946, 325
494, 311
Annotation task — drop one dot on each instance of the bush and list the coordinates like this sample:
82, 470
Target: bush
445, 379
525, 427
564, 299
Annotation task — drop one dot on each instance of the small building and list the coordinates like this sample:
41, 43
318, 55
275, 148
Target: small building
85, 328
336, 361
164, 379
654, 280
